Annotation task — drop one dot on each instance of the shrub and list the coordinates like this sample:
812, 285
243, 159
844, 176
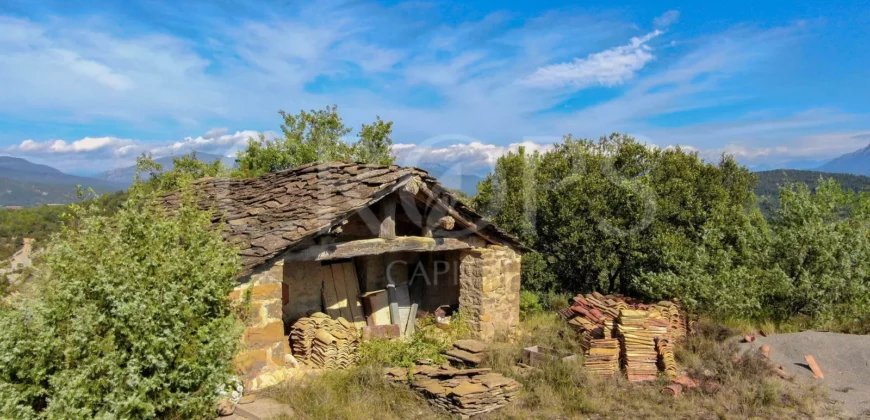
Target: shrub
428, 342
529, 303
132, 319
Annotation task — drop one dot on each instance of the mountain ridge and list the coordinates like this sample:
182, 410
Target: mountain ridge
127, 174
857, 162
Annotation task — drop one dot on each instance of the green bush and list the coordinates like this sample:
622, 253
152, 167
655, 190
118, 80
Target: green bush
132, 319
529, 303
429, 341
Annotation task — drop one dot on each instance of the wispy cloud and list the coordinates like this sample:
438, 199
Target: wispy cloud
606, 68
667, 19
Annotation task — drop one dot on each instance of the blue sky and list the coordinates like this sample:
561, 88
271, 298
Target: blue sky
88, 86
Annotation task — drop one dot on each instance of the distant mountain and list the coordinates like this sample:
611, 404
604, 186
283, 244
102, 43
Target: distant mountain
24, 183
770, 181
125, 176
455, 177
857, 162
808, 165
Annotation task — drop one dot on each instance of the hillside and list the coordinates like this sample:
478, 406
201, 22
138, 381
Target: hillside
769, 181
24, 183
126, 175
857, 162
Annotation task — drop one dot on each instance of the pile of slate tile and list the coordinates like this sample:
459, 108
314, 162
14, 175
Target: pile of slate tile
321, 342
467, 352
467, 392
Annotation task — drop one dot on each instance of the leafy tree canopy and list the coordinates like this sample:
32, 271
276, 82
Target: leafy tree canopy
617, 216
316, 136
185, 169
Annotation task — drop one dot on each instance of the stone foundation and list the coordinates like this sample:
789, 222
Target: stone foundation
489, 280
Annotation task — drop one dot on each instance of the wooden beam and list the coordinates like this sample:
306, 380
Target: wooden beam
458, 218
376, 247
388, 217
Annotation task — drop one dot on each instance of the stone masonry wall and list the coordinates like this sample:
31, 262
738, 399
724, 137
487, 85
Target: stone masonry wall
489, 280
260, 361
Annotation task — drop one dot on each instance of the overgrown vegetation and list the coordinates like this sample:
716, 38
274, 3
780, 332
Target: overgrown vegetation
126, 323
616, 216
727, 390
428, 342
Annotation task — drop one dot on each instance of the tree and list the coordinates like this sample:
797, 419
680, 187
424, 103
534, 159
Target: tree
822, 246
603, 214
315, 136
374, 144
132, 319
185, 169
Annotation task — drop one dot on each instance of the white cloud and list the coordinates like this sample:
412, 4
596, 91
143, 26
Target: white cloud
85, 145
472, 157
667, 19
606, 68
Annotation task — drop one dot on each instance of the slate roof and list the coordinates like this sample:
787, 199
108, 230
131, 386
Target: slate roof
267, 215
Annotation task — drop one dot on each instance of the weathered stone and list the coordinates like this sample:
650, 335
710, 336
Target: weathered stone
472, 346
270, 291
273, 332
225, 407
252, 361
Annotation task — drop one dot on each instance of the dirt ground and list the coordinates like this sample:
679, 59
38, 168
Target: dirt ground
843, 358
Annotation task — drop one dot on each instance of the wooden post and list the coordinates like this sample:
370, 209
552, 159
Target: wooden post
388, 217
393, 298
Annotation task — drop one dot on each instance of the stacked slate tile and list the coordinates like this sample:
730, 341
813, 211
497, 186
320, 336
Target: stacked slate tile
602, 359
467, 352
467, 392
321, 342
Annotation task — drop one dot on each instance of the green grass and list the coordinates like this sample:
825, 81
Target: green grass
565, 390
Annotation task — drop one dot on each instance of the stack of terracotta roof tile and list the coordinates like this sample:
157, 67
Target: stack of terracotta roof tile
468, 392
672, 313
321, 342
594, 313
593, 317
637, 334
667, 362
603, 357
302, 333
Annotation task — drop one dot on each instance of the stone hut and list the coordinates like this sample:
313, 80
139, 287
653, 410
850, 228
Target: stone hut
328, 237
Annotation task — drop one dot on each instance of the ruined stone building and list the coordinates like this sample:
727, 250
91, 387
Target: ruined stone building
327, 237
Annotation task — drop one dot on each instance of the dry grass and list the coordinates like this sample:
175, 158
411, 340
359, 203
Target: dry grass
360, 394
564, 390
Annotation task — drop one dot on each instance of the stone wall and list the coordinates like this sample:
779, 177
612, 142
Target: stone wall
489, 280
261, 359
